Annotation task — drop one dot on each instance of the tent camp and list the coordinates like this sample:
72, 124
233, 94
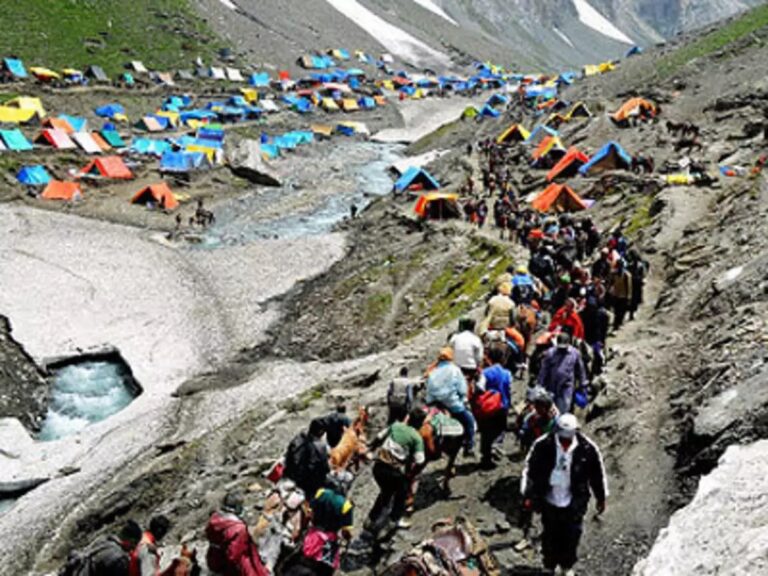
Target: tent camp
539, 134
57, 190
548, 152
33, 176
78, 123
610, 157
111, 167
158, 195
416, 179
149, 124
234, 75
114, 111
86, 142
113, 138
634, 108
14, 68
137, 67
489, 112
579, 110
437, 206
15, 140
58, 124
329, 105
183, 162
96, 73
568, 165
558, 198
100, 142
515, 133
56, 138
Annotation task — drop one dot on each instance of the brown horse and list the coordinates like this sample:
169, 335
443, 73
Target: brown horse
353, 446
440, 442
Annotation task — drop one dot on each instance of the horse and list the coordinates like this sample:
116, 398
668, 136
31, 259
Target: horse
353, 446
683, 128
443, 436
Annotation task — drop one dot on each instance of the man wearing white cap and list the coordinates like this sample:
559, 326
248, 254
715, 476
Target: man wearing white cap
561, 470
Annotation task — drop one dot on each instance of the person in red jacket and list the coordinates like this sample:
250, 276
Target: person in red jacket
568, 319
231, 550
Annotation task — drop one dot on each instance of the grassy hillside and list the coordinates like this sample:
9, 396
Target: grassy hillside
718, 39
56, 33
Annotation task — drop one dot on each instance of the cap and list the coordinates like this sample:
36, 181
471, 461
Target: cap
446, 354
567, 425
522, 269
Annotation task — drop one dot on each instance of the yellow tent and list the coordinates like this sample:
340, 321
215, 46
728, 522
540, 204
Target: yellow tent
322, 130
27, 103
173, 117
44, 73
15, 115
606, 67
349, 105
591, 70
515, 133
209, 152
251, 95
329, 105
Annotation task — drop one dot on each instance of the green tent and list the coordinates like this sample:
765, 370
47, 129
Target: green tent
113, 138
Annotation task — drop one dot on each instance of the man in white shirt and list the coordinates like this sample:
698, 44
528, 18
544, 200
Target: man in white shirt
561, 470
467, 349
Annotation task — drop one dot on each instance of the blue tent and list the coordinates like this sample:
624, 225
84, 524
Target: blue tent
180, 162
367, 103
489, 111
355, 72
205, 133
567, 78
610, 157
149, 146
497, 100
109, 110
261, 79
186, 141
78, 123
15, 67
15, 140
634, 51
270, 150
197, 115
414, 176
33, 175
343, 53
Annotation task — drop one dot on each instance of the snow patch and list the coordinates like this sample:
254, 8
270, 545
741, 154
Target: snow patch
734, 273
229, 4
563, 36
592, 18
394, 39
435, 9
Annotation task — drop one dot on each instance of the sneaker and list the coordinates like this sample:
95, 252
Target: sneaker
570, 572
404, 524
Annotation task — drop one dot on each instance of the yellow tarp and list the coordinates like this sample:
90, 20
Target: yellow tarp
44, 72
15, 115
173, 117
322, 130
349, 105
27, 103
251, 95
209, 152
329, 105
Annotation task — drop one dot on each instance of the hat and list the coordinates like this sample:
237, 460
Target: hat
522, 269
505, 289
446, 354
567, 425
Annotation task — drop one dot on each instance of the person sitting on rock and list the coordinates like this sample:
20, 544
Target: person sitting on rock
447, 389
231, 549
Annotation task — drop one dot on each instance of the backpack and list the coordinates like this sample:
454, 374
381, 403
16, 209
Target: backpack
303, 463
400, 396
80, 562
488, 404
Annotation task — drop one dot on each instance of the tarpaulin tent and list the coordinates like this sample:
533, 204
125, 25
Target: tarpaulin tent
260, 79
11, 115
113, 138
234, 75
548, 152
150, 147
579, 110
349, 105
44, 74
182, 162
116, 111
559, 198
329, 105
415, 178
136, 66
105, 147
15, 68
96, 73
55, 137
86, 142
159, 195
351, 128
111, 167
78, 123
515, 133
568, 165
58, 124
15, 140
489, 112
57, 190
633, 108
33, 175
437, 206
540, 133
610, 157
151, 124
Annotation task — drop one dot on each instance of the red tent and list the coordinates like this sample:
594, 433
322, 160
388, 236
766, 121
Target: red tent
560, 198
568, 165
159, 194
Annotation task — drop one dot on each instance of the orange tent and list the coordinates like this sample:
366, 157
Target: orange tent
568, 165
57, 190
108, 167
560, 198
437, 206
58, 123
105, 147
159, 194
635, 107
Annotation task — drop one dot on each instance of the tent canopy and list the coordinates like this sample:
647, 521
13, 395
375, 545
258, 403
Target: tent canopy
437, 206
568, 165
515, 133
15, 67
111, 167
86, 142
57, 190
634, 107
559, 198
610, 157
15, 140
416, 179
55, 137
159, 194
33, 175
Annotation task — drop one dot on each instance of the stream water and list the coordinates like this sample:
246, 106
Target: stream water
84, 393
317, 196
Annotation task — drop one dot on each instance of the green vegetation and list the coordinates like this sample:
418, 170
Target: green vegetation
429, 141
641, 218
377, 307
714, 41
164, 34
453, 293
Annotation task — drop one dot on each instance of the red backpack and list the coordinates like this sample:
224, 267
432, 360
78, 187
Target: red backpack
487, 404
